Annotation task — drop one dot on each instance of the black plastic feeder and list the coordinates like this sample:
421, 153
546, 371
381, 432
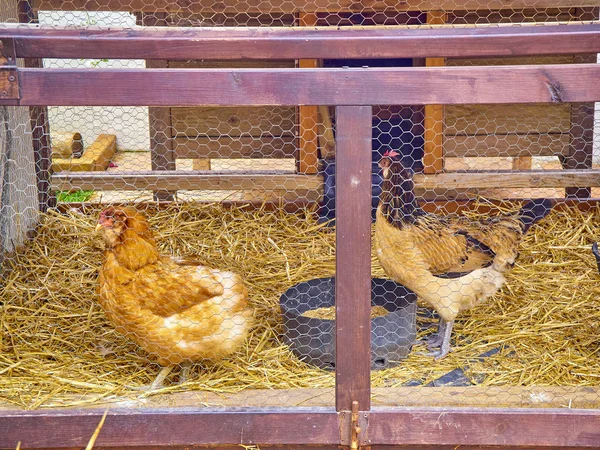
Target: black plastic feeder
313, 340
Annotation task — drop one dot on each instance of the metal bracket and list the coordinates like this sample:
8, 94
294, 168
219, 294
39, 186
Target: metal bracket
353, 427
8, 54
9, 83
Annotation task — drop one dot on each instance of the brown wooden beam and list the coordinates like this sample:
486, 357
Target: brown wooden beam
287, 43
509, 179
231, 87
171, 180
40, 127
165, 427
278, 6
308, 116
162, 152
508, 428
353, 257
433, 149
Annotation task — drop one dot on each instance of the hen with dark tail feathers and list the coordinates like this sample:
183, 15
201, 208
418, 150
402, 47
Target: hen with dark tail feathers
452, 262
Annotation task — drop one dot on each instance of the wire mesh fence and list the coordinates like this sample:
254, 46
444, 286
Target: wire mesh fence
192, 249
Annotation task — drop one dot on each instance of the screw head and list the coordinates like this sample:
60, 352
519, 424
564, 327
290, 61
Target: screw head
11, 78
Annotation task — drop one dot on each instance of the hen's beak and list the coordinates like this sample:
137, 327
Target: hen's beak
98, 227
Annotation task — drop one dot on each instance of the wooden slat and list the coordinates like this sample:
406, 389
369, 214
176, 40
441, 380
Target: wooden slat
308, 115
162, 427
500, 427
353, 257
581, 138
247, 121
511, 60
508, 179
326, 135
495, 145
516, 428
162, 152
287, 43
433, 149
235, 147
185, 180
577, 397
504, 119
226, 87
255, 6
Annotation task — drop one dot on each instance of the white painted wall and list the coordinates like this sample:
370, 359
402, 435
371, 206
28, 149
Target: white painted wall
129, 124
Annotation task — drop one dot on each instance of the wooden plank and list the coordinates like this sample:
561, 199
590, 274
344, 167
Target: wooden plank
288, 43
511, 60
257, 6
501, 427
162, 152
576, 397
235, 147
226, 87
308, 115
433, 149
40, 127
507, 119
581, 138
164, 427
522, 163
185, 180
326, 135
96, 157
508, 179
231, 121
502, 145
513, 428
353, 257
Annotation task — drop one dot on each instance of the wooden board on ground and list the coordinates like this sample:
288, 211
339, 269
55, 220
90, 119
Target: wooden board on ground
95, 158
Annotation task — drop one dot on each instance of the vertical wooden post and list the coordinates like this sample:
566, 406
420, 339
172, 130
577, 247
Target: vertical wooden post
308, 119
581, 133
162, 151
353, 257
40, 128
433, 152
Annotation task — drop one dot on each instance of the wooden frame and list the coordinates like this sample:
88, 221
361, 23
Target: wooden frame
325, 427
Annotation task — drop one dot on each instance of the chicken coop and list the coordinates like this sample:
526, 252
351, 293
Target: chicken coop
321, 223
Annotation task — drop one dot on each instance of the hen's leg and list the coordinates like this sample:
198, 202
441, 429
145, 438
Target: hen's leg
185, 372
437, 339
445, 347
160, 378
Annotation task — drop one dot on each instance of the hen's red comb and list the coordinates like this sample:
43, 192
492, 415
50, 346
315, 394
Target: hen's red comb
391, 153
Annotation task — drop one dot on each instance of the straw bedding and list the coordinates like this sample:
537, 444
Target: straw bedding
58, 348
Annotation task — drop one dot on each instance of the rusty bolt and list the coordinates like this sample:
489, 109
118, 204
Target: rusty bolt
3, 94
11, 78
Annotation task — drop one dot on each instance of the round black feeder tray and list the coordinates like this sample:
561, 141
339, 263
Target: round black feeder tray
313, 340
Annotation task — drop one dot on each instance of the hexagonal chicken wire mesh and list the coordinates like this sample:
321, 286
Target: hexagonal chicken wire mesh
241, 298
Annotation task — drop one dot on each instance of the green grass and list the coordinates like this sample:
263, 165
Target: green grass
75, 196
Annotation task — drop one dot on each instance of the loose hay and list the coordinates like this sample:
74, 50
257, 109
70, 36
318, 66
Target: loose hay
59, 349
328, 313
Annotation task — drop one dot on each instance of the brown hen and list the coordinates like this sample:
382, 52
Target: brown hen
451, 262
178, 311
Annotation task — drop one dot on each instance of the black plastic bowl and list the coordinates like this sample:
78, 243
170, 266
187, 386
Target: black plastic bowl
313, 340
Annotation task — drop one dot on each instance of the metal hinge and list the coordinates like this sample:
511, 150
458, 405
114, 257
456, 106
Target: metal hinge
353, 427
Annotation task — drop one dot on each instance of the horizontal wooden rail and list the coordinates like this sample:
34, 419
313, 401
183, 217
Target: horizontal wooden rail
282, 6
406, 426
231, 87
185, 180
510, 179
286, 43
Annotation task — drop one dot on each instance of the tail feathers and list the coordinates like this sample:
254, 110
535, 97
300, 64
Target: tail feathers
534, 211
